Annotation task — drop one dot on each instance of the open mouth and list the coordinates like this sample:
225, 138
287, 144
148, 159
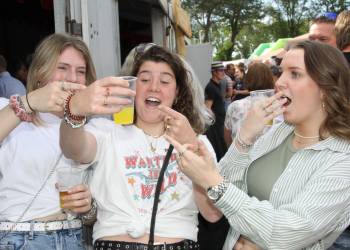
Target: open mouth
152, 101
289, 101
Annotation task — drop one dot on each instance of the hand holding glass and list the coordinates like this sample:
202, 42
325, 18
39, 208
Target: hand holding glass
68, 177
262, 94
126, 115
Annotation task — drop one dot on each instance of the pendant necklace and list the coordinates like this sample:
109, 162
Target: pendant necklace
152, 141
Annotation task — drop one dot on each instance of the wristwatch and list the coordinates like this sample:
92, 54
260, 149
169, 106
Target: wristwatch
216, 192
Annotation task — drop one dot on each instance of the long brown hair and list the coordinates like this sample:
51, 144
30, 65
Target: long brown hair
328, 67
184, 101
259, 76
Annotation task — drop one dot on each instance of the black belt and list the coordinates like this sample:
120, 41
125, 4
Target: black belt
122, 245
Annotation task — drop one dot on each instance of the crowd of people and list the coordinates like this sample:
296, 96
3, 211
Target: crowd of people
198, 168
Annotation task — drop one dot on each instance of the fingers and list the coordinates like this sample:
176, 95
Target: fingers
170, 112
69, 86
78, 199
113, 81
175, 143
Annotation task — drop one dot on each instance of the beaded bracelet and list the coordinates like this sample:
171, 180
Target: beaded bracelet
17, 105
91, 214
75, 121
241, 143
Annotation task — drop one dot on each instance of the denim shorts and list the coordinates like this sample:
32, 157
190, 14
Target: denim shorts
67, 239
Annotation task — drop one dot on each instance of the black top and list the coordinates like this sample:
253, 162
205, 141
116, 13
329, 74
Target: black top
213, 93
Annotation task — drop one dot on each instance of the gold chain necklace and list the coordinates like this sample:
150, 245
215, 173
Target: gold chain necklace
152, 144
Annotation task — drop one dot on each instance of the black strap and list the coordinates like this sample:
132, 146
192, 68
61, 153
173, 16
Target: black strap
156, 196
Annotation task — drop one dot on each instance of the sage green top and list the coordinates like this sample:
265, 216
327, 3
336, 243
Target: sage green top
268, 168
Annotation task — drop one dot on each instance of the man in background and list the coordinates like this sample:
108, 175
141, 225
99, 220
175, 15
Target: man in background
214, 100
8, 84
322, 29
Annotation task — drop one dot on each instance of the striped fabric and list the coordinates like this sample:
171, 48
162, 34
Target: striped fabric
309, 204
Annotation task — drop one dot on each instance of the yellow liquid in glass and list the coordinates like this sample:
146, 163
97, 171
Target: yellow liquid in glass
269, 123
125, 116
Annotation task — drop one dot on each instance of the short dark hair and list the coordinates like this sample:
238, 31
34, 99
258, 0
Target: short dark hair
3, 63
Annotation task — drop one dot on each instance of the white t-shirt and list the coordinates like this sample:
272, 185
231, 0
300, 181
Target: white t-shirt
27, 156
124, 182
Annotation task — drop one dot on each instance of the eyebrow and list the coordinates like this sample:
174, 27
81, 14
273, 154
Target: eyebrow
293, 67
67, 64
161, 73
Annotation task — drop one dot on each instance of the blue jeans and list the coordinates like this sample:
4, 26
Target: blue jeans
68, 239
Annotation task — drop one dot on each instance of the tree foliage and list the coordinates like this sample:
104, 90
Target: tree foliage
237, 27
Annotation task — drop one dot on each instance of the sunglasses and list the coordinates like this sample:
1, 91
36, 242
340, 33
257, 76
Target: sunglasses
141, 48
332, 16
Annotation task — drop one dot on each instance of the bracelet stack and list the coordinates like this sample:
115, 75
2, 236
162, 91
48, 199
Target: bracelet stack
75, 121
92, 213
241, 143
18, 107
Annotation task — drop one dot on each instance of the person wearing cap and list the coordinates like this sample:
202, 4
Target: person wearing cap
322, 29
214, 100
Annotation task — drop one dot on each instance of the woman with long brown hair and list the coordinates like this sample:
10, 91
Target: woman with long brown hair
290, 188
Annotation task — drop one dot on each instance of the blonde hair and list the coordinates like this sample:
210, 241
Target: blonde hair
342, 29
46, 56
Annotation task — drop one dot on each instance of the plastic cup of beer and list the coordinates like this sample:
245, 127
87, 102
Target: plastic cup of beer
68, 177
126, 115
262, 94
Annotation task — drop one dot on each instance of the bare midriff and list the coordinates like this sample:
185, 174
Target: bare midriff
53, 217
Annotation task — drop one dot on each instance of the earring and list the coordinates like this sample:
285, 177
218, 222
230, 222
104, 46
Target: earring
323, 105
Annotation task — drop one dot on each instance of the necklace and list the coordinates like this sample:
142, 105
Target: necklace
306, 137
152, 141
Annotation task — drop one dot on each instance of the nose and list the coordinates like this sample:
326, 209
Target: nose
280, 83
71, 76
155, 82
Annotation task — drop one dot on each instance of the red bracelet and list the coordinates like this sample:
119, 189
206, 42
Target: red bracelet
17, 105
67, 110
75, 121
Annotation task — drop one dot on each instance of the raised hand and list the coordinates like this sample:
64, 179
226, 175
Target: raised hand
198, 166
177, 126
260, 113
104, 96
51, 97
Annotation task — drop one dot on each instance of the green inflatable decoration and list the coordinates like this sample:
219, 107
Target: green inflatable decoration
260, 49
279, 44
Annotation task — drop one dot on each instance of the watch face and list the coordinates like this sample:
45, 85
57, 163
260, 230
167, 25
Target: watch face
212, 194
